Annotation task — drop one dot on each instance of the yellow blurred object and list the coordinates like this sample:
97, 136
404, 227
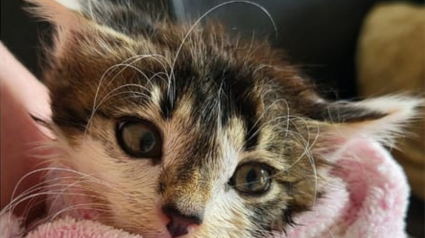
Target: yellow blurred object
391, 59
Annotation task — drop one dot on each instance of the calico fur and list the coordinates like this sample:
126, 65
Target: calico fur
217, 102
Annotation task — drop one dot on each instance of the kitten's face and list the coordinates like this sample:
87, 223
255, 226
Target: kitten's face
197, 135
214, 139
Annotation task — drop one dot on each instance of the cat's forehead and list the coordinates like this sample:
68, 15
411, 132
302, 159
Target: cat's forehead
215, 97
204, 86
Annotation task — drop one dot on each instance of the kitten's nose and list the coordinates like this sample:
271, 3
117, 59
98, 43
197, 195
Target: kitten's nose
179, 221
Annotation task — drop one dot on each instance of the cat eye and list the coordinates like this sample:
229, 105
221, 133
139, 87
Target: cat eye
139, 138
251, 178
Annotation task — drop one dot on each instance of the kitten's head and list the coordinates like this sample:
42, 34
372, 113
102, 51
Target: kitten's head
183, 130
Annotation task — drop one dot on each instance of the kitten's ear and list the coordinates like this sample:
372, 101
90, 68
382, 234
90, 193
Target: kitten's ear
78, 39
81, 53
380, 119
121, 17
79, 16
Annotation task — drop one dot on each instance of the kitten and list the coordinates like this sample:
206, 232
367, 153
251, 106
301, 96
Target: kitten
172, 129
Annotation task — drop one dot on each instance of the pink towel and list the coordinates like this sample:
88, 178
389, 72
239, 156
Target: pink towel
368, 198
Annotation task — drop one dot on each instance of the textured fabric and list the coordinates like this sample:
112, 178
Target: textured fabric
70, 228
368, 198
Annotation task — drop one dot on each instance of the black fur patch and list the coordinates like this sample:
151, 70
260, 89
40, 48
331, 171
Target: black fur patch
166, 106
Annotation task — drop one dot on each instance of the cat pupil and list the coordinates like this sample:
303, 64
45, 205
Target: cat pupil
139, 138
251, 178
147, 142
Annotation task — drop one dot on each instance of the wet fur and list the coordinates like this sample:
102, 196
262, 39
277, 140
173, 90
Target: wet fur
218, 102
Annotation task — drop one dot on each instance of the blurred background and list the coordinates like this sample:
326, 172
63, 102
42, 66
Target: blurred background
341, 45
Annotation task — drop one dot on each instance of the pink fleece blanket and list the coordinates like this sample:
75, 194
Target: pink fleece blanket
368, 198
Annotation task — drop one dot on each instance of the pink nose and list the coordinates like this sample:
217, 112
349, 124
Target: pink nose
179, 222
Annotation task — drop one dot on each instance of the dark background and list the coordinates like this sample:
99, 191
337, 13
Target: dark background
320, 36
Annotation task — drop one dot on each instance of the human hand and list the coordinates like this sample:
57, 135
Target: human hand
22, 95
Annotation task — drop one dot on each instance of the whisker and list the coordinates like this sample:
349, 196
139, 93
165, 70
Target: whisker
70, 208
264, 113
197, 22
135, 59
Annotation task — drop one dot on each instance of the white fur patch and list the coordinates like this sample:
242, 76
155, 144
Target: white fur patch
399, 110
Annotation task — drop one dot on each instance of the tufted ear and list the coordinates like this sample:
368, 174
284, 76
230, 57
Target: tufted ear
381, 119
83, 49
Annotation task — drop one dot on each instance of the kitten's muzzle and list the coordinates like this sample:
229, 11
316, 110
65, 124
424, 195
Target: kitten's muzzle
178, 226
